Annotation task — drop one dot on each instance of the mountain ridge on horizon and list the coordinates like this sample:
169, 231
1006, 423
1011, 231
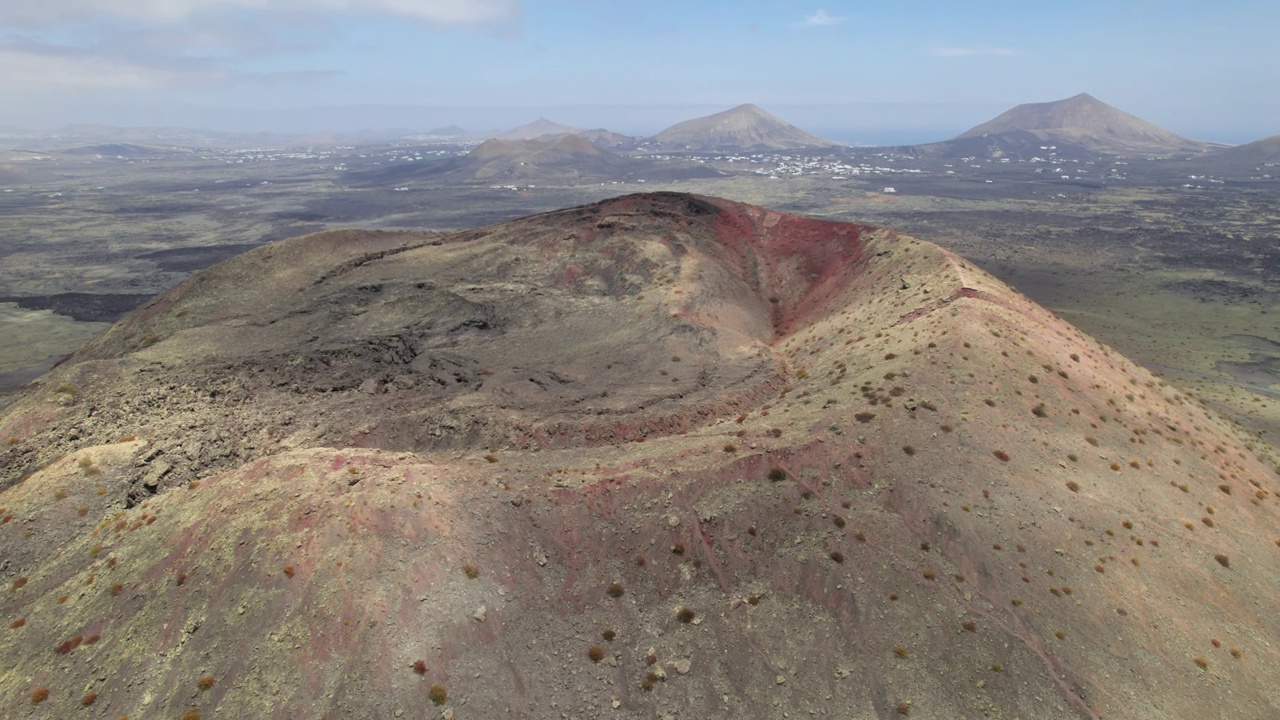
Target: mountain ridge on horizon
88, 133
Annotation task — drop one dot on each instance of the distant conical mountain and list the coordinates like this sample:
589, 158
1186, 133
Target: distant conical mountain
447, 131
1089, 123
535, 129
746, 127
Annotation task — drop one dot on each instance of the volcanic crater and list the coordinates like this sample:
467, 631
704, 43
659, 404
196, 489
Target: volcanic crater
656, 456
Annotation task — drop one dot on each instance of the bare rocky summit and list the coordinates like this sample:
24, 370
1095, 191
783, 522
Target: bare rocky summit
660, 456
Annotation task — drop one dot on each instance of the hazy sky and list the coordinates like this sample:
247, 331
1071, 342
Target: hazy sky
1200, 68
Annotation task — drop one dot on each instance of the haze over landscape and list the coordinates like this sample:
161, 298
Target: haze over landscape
450, 359
879, 73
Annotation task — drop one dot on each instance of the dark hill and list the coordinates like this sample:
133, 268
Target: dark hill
567, 159
447, 131
126, 150
1015, 144
1260, 158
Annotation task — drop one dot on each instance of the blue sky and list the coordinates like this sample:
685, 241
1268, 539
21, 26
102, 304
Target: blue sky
850, 69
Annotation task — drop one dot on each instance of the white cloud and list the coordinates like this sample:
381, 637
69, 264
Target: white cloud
963, 52
121, 45
821, 18
62, 70
27, 71
35, 13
